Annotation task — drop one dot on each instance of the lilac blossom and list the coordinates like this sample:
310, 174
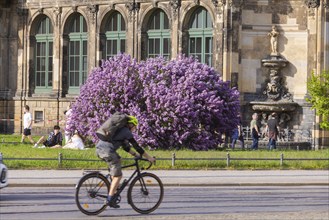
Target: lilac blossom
179, 103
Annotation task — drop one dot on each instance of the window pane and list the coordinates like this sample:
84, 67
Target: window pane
115, 22
84, 48
114, 51
76, 78
37, 78
84, 28
198, 45
77, 48
43, 79
151, 46
38, 116
166, 46
123, 46
165, 21
208, 48
50, 63
123, 23
192, 45
157, 46
50, 79
76, 63
71, 64
50, 49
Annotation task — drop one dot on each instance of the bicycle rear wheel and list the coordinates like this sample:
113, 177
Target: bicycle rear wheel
91, 193
145, 193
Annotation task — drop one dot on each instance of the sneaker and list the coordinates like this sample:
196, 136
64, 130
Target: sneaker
35, 146
112, 204
43, 146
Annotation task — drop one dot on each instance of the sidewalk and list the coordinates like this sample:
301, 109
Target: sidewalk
37, 178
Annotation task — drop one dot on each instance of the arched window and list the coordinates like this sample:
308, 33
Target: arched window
77, 53
158, 34
200, 36
115, 33
43, 61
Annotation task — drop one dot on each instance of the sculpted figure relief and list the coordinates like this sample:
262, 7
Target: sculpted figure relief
274, 40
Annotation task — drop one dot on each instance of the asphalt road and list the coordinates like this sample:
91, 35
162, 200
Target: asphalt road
231, 202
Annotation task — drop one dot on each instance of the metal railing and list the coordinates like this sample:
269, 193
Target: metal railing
174, 159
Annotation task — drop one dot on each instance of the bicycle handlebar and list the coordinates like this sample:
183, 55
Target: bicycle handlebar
143, 159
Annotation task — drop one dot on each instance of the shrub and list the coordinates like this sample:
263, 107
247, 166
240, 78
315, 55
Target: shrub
179, 103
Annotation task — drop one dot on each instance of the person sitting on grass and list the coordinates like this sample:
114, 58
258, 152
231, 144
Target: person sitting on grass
54, 139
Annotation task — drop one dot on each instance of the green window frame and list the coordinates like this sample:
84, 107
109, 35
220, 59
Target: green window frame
77, 54
43, 59
200, 32
115, 34
158, 43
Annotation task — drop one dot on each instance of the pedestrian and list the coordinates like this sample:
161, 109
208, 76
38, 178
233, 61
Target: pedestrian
272, 128
54, 139
67, 113
238, 135
27, 123
254, 132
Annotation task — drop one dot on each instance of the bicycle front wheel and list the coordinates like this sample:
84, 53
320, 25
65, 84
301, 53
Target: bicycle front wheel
145, 193
91, 193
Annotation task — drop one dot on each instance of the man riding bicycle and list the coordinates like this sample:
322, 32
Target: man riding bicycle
106, 150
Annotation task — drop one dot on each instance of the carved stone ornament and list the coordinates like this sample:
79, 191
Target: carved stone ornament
57, 11
40, 10
197, 2
74, 8
93, 12
132, 8
326, 3
312, 3
175, 4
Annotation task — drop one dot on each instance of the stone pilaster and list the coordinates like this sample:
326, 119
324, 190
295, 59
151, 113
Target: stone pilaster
22, 80
92, 38
57, 61
175, 32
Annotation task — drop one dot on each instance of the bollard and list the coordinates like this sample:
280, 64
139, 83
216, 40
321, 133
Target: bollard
228, 159
173, 159
297, 148
60, 159
281, 159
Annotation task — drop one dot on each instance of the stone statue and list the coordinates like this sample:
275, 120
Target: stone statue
274, 40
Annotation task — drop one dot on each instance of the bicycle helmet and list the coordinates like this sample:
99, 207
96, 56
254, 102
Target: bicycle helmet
132, 120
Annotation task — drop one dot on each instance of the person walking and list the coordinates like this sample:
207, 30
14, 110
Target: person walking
27, 123
254, 132
272, 128
237, 135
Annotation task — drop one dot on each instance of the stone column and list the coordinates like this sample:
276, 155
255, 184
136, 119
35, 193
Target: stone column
57, 61
176, 33
92, 38
133, 33
22, 50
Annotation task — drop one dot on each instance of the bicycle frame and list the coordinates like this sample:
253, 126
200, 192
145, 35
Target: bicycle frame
132, 176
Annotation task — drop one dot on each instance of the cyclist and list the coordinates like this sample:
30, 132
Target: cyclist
122, 137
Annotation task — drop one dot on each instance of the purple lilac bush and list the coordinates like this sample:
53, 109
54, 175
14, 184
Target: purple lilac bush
179, 103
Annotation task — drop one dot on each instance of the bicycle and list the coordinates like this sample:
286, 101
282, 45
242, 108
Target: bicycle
145, 192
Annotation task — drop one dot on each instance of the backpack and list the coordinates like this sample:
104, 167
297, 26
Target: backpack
108, 128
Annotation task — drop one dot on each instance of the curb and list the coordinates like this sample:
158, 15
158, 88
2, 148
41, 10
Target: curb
180, 185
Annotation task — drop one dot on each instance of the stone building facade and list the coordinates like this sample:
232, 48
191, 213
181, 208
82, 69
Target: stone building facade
48, 47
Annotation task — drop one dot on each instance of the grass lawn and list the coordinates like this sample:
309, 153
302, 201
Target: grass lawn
185, 159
